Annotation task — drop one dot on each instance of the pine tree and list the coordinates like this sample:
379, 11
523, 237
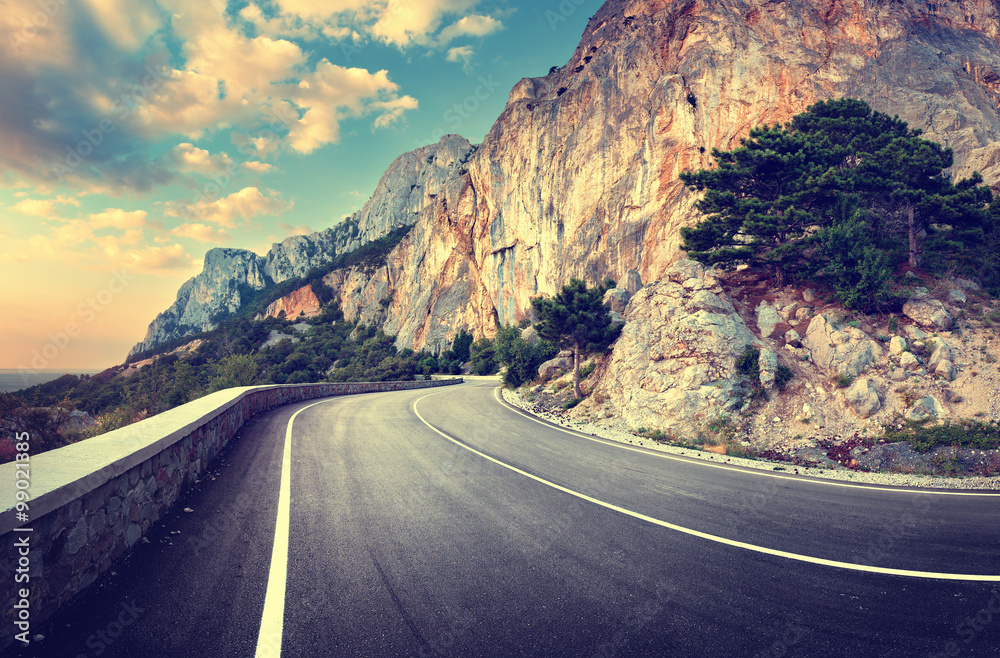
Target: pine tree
576, 318
830, 194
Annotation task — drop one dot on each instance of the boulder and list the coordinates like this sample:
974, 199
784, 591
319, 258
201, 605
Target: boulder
863, 398
897, 345
768, 363
793, 338
966, 284
926, 407
941, 350
845, 353
928, 312
945, 369
554, 367
809, 295
674, 363
632, 282
616, 299
530, 335
908, 362
957, 297
915, 333
767, 319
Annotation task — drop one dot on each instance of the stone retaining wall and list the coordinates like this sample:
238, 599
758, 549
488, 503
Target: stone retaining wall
92, 501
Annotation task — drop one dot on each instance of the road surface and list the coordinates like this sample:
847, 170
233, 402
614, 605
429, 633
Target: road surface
444, 523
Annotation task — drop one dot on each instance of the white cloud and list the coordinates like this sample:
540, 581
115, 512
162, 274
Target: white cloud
201, 233
295, 230
462, 55
245, 204
155, 260
119, 219
193, 159
43, 207
474, 25
258, 167
333, 93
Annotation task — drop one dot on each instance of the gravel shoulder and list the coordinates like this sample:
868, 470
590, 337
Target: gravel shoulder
516, 399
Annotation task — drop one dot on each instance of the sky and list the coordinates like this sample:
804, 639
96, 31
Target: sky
135, 135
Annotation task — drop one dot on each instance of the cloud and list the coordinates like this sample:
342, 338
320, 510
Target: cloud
462, 55
190, 158
415, 21
201, 233
333, 93
473, 25
295, 230
245, 204
42, 207
118, 218
89, 94
157, 260
258, 167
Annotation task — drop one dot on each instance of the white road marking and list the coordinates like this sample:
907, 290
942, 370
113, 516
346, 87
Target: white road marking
747, 470
273, 619
704, 535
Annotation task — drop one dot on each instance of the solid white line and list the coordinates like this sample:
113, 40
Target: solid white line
714, 538
747, 470
273, 619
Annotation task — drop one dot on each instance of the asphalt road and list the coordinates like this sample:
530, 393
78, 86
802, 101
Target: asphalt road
443, 523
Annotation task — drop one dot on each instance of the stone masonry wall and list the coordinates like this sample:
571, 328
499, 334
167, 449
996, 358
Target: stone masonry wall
96, 519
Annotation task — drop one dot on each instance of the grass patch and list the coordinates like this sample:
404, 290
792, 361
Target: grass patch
843, 381
569, 404
586, 370
925, 436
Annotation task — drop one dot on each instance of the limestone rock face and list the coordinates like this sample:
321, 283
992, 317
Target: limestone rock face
862, 397
302, 302
227, 277
845, 353
673, 364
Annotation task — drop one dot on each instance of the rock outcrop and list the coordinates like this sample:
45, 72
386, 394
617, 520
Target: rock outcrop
674, 363
298, 303
844, 353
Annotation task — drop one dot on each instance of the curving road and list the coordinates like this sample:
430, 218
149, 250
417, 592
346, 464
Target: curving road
445, 523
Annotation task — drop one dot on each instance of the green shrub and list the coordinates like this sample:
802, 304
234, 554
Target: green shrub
782, 376
569, 404
843, 381
925, 436
748, 363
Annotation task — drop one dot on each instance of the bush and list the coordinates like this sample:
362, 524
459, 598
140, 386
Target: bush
925, 436
569, 404
748, 363
782, 376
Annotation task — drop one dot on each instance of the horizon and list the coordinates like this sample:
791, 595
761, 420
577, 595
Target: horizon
134, 145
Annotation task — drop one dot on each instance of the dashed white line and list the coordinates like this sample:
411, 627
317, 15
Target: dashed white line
704, 535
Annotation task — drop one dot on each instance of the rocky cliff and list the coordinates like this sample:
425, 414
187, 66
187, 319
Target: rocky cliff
407, 188
579, 175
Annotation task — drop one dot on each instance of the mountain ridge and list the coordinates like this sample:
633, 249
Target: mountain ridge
579, 175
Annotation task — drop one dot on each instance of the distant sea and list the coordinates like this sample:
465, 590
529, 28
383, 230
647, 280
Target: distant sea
14, 380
